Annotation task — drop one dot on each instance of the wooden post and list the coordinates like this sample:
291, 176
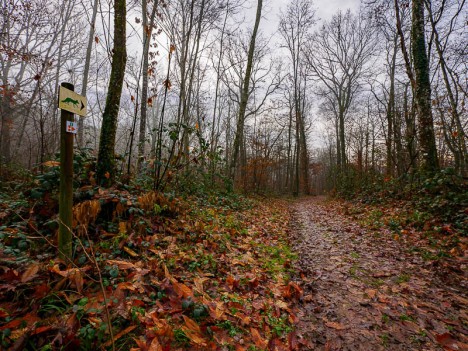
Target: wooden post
66, 184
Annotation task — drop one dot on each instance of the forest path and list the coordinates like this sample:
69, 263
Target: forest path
365, 291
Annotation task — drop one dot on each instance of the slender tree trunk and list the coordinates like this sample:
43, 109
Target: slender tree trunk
460, 132
422, 91
84, 87
245, 93
147, 31
106, 160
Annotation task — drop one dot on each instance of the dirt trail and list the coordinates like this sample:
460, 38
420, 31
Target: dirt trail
365, 291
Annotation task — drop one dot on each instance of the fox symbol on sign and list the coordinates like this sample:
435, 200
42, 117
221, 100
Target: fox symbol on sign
70, 101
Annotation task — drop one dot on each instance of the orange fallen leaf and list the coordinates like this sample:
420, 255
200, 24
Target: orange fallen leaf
258, 340
371, 293
182, 290
199, 284
155, 345
121, 264
216, 310
30, 273
130, 251
193, 331
191, 324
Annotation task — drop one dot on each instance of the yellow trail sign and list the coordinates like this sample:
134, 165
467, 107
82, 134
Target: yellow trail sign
72, 102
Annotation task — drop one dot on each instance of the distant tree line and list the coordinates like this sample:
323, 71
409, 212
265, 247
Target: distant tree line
182, 96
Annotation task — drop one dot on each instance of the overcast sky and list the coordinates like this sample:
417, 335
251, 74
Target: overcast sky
325, 10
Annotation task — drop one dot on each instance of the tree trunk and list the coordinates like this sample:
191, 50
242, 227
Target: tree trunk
106, 160
245, 93
422, 91
147, 31
86, 70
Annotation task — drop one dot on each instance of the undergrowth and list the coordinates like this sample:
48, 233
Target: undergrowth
182, 270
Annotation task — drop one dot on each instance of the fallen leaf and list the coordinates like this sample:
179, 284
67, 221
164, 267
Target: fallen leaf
155, 345
130, 251
182, 290
258, 340
121, 264
30, 273
371, 293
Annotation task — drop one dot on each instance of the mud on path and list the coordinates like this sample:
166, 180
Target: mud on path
365, 291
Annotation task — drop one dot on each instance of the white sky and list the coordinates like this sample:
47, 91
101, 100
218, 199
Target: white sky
325, 10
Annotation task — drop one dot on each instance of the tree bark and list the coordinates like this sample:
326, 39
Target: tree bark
84, 87
147, 31
422, 91
245, 93
106, 170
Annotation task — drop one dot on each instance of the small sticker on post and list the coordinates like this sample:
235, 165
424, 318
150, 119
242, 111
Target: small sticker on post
72, 127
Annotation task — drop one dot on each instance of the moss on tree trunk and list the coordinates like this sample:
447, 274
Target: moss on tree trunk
106, 159
422, 91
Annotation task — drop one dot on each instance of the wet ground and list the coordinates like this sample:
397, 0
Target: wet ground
364, 290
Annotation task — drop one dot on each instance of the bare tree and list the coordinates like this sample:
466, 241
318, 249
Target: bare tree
295, 27
245, 92
338, 55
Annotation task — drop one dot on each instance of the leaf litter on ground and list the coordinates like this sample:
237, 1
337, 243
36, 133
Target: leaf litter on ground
365, 290
164, 273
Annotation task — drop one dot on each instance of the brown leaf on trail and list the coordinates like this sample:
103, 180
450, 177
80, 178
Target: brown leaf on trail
42, 329
141, 344
182, 290
258, 304
168, 275
126, 286
258, 340
162, 326
232, 282
292, 339
447, 341
216, 309
199, 284
281, 304
30, 273
335, 325
292, 290
121, 264
74, 275
245, 320
240, 348
119, 335
276, 344
371, 293
193, 331
155, 345
191, 324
